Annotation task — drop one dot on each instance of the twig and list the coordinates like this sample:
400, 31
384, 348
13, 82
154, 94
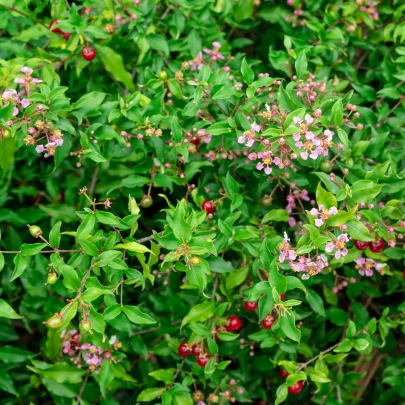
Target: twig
94, 180
86, 377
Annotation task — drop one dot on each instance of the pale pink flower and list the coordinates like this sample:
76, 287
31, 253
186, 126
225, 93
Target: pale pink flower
322, 214
339, 245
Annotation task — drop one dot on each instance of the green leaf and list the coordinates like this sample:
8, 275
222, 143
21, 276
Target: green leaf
337, 113
32, 249
325, 198
358, 231
301, 64
247, 73
85, 227
7, 312
63, 373
133, 247
199, 313
224, 92
287, 324
136, 316
158, 43
167, 376
275, 215
105, 376
6, 383
1, 261
315, 302
281, 394
236, 278
277, 280
97, 321
342, 217
150, 394
20, 263
114, 65
364, 191
54, 235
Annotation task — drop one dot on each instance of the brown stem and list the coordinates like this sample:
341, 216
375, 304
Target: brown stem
86, 377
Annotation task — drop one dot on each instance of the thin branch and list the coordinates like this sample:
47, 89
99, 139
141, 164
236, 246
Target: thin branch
86, 377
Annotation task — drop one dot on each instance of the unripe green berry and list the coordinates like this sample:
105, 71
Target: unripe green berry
195, 261
162, 75
35, 231
326, 166
266, 201
146, 201
52, 278
6, 133
55, 321
85, 325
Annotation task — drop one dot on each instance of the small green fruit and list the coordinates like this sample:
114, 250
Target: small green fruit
52, 278
35, 231
146, 201
85, 325
266, 201
162, 75
326, 166
55, 322
6, 133
195, 261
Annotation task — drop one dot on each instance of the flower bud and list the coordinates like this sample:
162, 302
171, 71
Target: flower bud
52, 278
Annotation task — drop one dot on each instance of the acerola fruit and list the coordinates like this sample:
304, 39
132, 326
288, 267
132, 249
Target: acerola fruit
266, 201
326, 167
203, 359
198, 396
146, 201
284, 373
208, 206
196, 142
85, 325
56, 30
403, 274
88, 53
184, 350
282, 296
234, 324
195, 261
52, 278
376, 246
35, 231
6, 133
197, 349
296, 388
162, 75
267, 322
55, 321
360, 245
250, 305
75, 339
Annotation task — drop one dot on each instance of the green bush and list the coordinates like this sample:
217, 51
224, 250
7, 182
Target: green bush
202, 202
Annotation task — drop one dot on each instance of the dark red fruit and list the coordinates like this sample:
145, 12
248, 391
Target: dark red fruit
66, 35
203, 359
282, 296
403, 274
284, 373
56, 30
250, 305
234, 324
360, 245
76, 339
196, 142
267, 322
208, 206
88, 53
184, 350
197, 349
296, 388
219, 329
376, 246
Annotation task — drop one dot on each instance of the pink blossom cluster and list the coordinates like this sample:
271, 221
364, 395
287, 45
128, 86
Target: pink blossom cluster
371, 10
198, 62
297, 14
286, 252
309, 266
322, 214
367, 266
86, 354
343, 284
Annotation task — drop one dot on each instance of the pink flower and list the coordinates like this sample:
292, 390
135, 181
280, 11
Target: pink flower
310, 268
197, 62
339, 245
25, 103
26, 70
20, 81
285, 250
267, 160
322, 214
36, 80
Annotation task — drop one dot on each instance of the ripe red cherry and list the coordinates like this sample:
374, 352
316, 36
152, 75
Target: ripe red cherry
56, 30
267, 322
282, 296
360, 245
284, 373
88, 53
234, 324
376, 246
208, 206
197, 349
203, 359
196, 142
66, 35
296, 388
184, 350
250, 305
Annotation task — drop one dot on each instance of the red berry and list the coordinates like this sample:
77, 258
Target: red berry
284, 373
66, 35
56, 30
184, 350
196, 142
88, 53
296, 388
360, 245
203, 359
208, 206
403, 274
376, 246
267, 322
75, 341
87, 10
282, 296
219, 329
250, 305
234, 324
197, 349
